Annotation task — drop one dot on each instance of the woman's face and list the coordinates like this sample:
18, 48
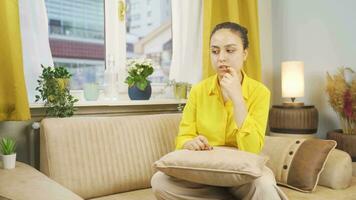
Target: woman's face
226, 50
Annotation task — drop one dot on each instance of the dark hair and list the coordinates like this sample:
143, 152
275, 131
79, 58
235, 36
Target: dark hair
242, 31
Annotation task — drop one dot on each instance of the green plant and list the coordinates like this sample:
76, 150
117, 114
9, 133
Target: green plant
138, 71
8, 146
54, 92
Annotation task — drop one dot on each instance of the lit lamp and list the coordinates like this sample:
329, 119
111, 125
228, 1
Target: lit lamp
293, 118
293, 81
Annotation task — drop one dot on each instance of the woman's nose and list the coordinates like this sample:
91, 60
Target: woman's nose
222, 56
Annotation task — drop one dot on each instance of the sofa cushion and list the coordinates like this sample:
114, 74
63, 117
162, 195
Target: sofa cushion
297, 163
337, 173
219, 167
97, 156
323, 193
144, 194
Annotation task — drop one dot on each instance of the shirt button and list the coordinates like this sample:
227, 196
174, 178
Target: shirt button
285, 167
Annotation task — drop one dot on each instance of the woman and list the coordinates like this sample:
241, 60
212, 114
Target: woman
227, 109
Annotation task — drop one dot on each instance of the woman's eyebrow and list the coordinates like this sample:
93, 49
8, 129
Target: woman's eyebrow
231, 45
214, 46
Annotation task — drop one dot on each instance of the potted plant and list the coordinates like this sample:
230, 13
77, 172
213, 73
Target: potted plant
139, 86
341, 89
8, 148
54, 92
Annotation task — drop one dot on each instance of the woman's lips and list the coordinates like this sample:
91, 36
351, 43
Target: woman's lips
224, 68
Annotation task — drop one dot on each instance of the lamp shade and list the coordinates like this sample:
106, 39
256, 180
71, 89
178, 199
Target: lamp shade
292, 79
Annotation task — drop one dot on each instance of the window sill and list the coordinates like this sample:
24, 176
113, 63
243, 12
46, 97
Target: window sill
118, 107
120, 103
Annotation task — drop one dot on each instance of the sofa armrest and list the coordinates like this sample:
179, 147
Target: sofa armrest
337, 173
26, 183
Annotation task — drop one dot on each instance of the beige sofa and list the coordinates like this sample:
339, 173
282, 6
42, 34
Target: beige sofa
107, 158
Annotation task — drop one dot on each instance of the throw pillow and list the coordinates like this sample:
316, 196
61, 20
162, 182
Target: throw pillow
221, 166
297, 163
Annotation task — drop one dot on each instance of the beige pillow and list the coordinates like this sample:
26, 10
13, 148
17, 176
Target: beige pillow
297, 163
221, 166
337, 173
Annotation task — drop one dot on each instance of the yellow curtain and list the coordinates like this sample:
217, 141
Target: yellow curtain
243, 12
13, 95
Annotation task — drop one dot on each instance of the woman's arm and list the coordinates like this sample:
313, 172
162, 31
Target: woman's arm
250, 135
251, 120
187, 126
231, 86
188, 137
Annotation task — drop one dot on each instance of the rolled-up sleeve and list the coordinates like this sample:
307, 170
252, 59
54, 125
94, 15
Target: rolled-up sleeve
187, 127
250, 136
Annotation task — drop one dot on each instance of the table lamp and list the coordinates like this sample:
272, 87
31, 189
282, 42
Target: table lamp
292, 82
293, 118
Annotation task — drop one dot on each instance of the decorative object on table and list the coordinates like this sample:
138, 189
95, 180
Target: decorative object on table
341, 89
293, 118
180, 90
110, 86
54, 92
8, 150
91, 91
138, 71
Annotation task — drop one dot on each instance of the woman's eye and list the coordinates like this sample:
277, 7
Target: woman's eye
214, 51
230, 50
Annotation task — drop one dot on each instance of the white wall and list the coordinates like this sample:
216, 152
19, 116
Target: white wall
265, 28
322, 33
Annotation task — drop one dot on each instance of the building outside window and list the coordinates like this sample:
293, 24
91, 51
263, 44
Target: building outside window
77, 37
150, 35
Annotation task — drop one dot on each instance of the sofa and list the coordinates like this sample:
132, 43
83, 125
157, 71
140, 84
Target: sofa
108, 158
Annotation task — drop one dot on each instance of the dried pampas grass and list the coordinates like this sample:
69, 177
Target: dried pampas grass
339, 89
336, 87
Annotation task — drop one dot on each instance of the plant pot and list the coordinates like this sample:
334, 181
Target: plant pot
345, 142
137, 94
9, 161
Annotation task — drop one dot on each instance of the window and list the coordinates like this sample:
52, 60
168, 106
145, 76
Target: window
77, 34
151, 36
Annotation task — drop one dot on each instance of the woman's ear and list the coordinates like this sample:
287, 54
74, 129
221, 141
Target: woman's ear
245, 54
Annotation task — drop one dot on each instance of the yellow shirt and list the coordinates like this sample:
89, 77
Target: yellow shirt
206, 114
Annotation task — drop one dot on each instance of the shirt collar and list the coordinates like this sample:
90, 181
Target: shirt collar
214, 88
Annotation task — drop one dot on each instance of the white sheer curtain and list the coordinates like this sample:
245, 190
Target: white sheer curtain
187, 41
35, 42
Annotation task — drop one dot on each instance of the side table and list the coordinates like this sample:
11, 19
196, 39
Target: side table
293, 121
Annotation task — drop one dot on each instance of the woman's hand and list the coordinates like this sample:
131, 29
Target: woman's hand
231, 84
199, 143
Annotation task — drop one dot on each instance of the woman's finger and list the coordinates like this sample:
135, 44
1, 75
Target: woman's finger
232, 71
227, 75
200, 144
205, 141
195, 146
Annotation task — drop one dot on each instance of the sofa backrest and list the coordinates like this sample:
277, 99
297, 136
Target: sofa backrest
97, 156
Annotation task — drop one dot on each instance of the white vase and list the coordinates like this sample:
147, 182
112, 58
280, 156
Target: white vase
9, 161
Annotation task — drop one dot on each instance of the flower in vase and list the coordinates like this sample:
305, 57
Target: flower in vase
138, 70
